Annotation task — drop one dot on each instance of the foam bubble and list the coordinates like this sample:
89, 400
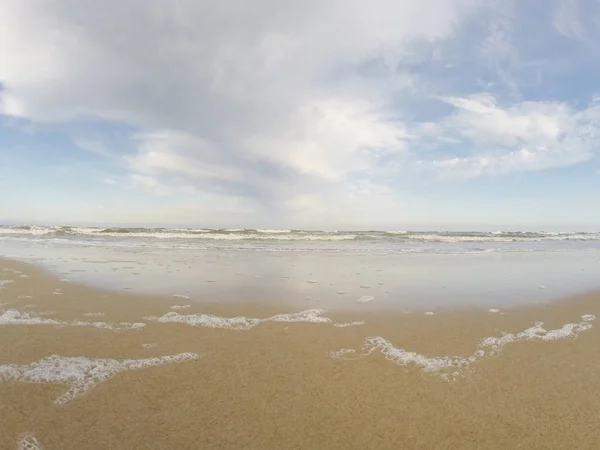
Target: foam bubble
453, 367
14, 317
80, 374
24, 296
122, 326
93, 314
27, 441
429, 313
23, 276
239, 323
348, 324
149, 345
538, 332
5, 282
341, 352
185, 297
493, 311
365, 299
180, 306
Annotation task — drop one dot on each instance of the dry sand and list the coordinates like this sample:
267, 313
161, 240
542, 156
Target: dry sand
277, 386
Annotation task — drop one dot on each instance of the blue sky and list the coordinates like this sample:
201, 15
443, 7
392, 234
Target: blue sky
332, 114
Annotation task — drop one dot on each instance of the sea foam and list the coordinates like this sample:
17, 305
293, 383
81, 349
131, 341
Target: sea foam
15, 317
27, 441
80, 374
241, 323
5, 282
454, 367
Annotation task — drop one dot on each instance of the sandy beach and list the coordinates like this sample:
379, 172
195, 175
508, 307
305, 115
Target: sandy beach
310, 225
280, 384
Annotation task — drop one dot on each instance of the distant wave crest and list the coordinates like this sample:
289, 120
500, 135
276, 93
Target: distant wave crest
300, 235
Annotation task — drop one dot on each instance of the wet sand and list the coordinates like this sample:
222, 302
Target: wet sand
277, 386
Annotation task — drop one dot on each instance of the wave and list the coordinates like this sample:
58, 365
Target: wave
301, 235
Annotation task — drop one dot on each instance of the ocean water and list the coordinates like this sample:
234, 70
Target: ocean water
416, 271
306, 240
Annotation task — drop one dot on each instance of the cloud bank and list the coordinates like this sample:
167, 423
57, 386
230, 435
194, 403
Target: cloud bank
308, 110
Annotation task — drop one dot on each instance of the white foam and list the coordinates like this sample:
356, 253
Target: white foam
25, 296
27, 441
364, 286
121, 326
453, 367
365, 299
348, 324
23, 276
14, 317
429, 313
341, 352
494, 345
5, 282
93, 314
185, 297
149, 345
493, 311
180, 306
239, 323
80, 373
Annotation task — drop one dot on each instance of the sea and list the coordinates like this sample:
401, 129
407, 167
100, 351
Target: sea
332, 269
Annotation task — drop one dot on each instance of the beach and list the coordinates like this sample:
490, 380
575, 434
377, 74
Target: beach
287, 378
306, 225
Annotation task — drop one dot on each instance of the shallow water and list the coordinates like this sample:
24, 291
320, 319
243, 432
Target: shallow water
334, 279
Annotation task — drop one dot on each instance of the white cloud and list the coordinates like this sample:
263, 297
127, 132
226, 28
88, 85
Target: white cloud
305, 109
174, 151
567, 19
260, 98
330, 139
520, 137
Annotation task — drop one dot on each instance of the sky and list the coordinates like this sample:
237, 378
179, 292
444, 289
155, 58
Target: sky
331, 114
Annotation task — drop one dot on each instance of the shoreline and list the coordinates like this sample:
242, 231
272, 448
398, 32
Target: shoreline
272, 301
529, 395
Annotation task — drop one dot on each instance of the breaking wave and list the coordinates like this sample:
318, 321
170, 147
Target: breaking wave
302, 235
